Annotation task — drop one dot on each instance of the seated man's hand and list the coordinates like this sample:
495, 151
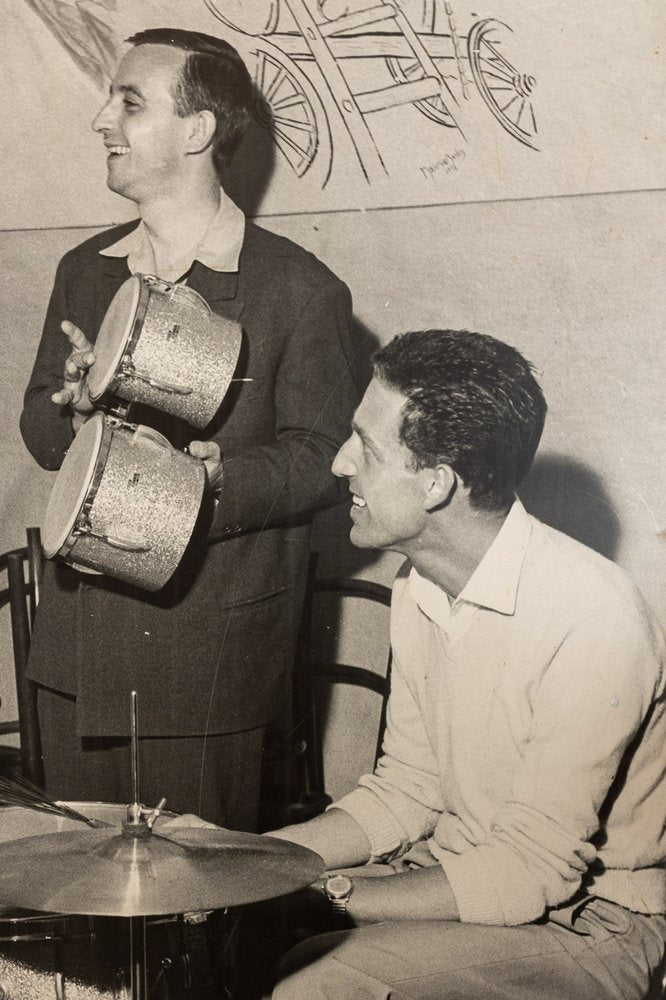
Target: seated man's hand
211, 456
74, 392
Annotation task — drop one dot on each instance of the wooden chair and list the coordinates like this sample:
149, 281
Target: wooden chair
311, 674
295, 783
22, 596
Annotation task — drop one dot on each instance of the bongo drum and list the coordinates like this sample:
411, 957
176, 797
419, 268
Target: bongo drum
124, 503
161, 344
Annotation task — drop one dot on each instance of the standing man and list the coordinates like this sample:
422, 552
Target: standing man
519, 804
209, 654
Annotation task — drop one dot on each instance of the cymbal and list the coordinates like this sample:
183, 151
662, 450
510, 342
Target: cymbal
110, 873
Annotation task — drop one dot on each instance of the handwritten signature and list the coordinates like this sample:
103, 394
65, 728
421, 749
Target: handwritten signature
448, 164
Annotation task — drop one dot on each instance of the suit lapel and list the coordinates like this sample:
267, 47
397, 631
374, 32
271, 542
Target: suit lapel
113, 269
218, 288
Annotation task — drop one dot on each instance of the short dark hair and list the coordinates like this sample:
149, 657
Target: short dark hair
214, 78
472, 403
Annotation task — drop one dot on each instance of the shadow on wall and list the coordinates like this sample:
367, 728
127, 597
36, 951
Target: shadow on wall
250, 173
558, 490
571, 498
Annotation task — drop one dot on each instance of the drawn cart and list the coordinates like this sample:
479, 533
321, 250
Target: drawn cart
428, 68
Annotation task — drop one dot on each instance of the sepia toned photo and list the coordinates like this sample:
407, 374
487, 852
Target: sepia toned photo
333, 537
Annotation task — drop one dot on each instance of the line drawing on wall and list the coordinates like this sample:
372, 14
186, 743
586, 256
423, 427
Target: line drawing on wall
425, 62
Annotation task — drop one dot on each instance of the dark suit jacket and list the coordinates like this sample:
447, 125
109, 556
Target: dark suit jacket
207, 653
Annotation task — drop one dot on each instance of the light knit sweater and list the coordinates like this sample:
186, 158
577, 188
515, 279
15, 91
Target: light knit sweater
526, 734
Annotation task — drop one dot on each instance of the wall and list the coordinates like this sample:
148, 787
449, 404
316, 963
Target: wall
576, 283
584, 90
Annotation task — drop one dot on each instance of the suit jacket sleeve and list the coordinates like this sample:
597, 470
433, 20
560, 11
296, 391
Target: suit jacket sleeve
314, 398
47, 428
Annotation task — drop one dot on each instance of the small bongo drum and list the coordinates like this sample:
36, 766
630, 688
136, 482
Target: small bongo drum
124, 503
160, 344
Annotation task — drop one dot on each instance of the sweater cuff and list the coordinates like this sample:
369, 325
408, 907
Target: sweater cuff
377, 824
475, 894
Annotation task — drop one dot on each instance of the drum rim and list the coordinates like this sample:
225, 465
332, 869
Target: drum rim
102, 804
21, 916
120, 380
95, 426
126, 343
80, 523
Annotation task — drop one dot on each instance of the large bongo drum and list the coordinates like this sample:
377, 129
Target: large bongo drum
124, 503
57, 956
161, 344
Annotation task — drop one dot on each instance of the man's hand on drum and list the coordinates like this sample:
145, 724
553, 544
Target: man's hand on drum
74, 392
211, 456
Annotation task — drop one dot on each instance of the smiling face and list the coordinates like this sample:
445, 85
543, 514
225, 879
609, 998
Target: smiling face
146, 139
391, 499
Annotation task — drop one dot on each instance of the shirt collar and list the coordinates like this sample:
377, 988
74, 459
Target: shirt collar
219, 248
494, 582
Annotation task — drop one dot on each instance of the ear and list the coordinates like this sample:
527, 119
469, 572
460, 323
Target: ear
440, 487
201, 132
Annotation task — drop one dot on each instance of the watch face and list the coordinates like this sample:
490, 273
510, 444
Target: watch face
338, 886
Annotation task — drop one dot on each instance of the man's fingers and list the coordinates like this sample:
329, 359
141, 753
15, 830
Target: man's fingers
75, 336
77, 363
205, 450
211, 456
73, 372
82, 357
63, 397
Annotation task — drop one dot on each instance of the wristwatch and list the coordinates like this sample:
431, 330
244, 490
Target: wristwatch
338, 889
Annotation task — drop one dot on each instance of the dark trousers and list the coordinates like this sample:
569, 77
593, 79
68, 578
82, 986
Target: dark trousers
217, 777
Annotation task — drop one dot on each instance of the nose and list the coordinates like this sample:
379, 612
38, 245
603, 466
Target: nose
103, 120
343, 463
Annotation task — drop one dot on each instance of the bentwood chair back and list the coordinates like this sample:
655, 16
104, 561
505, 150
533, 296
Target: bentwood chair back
24, 568
318, 674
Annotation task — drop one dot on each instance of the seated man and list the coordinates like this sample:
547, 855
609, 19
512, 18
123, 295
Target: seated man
520, 803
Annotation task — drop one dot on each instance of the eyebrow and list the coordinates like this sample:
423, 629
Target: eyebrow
127, 88
365, 437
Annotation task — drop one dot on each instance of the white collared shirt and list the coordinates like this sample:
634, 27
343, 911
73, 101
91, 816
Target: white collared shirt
219, 248
493, 584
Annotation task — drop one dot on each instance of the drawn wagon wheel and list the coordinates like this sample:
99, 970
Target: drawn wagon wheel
289, 107
421, 14
406, 70
506, 91
259, 17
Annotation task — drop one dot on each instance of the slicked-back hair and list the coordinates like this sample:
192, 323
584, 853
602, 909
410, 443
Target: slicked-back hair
214, 78
472, 403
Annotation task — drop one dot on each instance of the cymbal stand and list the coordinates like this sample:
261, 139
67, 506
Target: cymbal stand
138, 959
140, 826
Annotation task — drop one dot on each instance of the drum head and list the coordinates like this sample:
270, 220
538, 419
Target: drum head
17, 822
113, 336
71, 485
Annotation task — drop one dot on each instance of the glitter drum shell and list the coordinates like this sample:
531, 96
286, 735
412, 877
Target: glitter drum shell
124, 503
160, 344
47, 956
